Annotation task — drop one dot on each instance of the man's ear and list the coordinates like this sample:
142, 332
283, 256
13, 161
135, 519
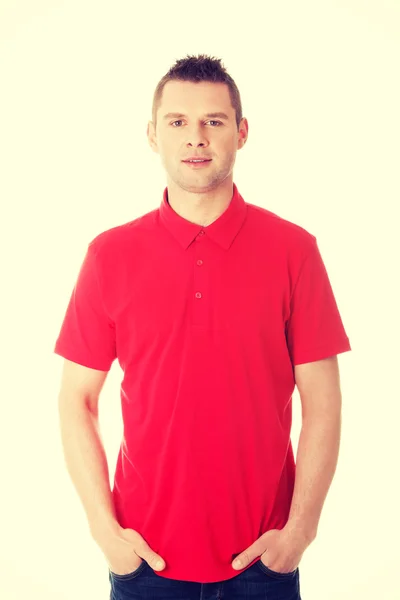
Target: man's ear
151, 137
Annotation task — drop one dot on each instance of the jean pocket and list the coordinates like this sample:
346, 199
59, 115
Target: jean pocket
131, 575
276, 574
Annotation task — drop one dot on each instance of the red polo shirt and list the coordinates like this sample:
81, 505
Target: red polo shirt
207, 324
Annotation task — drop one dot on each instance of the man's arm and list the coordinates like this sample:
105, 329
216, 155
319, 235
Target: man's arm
318, 449
82, 445
87, 465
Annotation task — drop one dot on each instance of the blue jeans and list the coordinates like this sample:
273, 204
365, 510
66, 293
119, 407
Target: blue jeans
257, 582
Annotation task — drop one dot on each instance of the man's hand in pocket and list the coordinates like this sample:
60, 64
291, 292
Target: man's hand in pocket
124, 550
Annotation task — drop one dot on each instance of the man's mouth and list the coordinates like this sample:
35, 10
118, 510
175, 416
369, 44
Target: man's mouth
198, 161
197, 164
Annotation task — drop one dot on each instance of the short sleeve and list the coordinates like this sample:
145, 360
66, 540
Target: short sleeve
314, 329
87, 334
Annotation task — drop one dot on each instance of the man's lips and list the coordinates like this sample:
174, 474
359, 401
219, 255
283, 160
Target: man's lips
197, 159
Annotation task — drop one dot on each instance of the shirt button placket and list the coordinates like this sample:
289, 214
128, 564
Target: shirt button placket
199, 314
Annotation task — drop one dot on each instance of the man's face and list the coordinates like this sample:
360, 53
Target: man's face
195, 134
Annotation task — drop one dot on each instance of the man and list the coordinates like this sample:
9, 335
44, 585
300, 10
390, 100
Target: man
215, 308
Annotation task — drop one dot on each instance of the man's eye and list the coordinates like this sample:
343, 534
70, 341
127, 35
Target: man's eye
180, 121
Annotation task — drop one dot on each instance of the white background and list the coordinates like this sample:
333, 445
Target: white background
319, 83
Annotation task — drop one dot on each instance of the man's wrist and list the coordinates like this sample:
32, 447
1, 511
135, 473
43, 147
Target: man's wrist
103, 530
301, 529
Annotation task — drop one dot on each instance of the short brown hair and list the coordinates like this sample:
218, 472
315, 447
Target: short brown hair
199, 68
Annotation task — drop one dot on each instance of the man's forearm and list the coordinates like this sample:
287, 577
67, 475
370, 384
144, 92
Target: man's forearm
317, 457
87, 465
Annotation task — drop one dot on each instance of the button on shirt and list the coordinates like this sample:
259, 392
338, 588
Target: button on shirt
207, 324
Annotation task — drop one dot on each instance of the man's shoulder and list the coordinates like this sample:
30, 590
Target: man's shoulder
273, 224
120, 235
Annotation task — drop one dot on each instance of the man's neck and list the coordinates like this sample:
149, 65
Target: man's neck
202, 209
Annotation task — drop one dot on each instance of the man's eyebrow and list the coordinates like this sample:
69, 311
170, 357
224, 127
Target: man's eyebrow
213, 115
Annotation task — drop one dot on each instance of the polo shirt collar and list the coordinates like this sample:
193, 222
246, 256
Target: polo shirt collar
222, 231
